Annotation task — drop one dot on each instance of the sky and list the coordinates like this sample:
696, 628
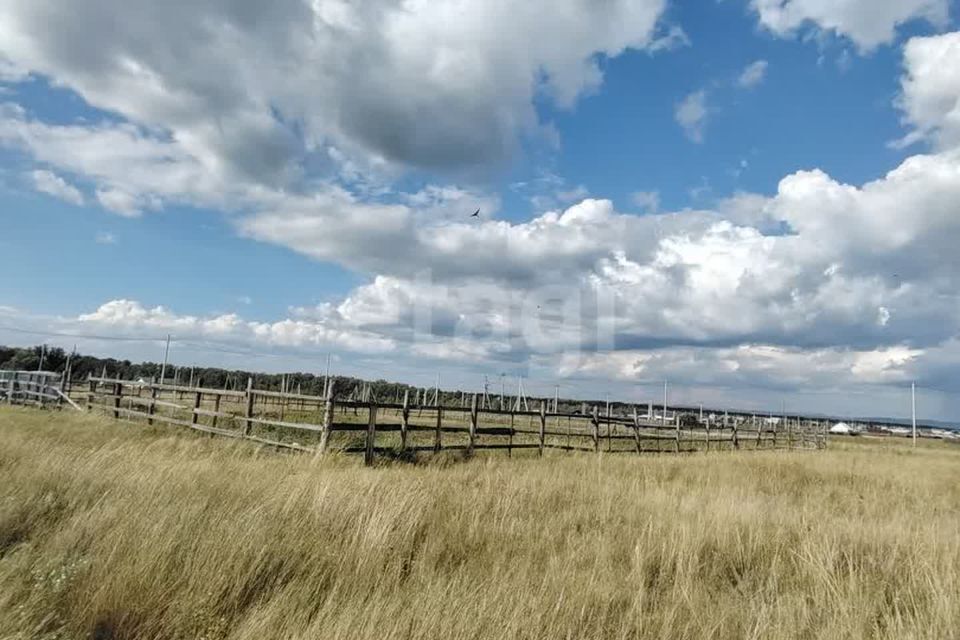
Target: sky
757, 201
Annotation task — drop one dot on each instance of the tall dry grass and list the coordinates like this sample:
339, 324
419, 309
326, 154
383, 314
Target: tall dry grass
116, 531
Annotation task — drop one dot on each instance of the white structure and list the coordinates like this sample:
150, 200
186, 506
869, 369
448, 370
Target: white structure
842, 428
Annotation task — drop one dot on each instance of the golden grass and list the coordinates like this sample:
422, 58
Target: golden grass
110, 530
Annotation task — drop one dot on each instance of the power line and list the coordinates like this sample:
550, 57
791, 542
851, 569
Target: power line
58, 334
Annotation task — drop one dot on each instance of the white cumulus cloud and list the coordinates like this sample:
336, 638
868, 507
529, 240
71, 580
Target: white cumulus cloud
52, 184
868, 23
753, 74
426, 84
691, 114
930, 97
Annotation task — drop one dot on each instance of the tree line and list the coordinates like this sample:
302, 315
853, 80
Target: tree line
55, 359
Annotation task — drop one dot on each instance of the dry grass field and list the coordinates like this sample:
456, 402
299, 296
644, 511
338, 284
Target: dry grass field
109, 530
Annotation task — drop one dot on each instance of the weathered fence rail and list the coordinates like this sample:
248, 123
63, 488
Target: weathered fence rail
318, 424
40, 388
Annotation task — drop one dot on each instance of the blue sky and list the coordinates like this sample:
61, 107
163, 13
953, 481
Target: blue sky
271, 185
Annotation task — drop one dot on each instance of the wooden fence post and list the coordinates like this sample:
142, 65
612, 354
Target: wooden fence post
473, 424
595, 419
676, 441
543, 425
248, 408
117, 392
328, 408
438, 439
216, 410
152, 407
197, 400
708, 433
636, 428
42, 389
736, 434
90, 394
404, 419
371, 435
11, 387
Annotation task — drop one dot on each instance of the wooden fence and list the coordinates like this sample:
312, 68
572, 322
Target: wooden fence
318, 424
40, 388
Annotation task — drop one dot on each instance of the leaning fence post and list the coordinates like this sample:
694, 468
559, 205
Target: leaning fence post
371, 435
404, 419
216, 410
636, 428
327, 419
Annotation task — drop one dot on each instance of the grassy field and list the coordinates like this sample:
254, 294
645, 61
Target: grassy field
110, 530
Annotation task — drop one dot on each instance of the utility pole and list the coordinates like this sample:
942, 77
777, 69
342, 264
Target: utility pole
501, 391
166, 352
43, 355
556, 398
913, 412
65, 381
521, 396
664, 402
436, 394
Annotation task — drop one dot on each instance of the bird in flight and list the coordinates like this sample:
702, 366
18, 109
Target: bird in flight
475, 214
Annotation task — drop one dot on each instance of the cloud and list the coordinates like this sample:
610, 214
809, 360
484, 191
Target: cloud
820, 276
9, 72
753, 74
131, 318
572, 195
648, 201
105, 237
753, 365
675, 38
121, 202
691, 114
133, 169
868, 23
52, 184
438, 85
930, 95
